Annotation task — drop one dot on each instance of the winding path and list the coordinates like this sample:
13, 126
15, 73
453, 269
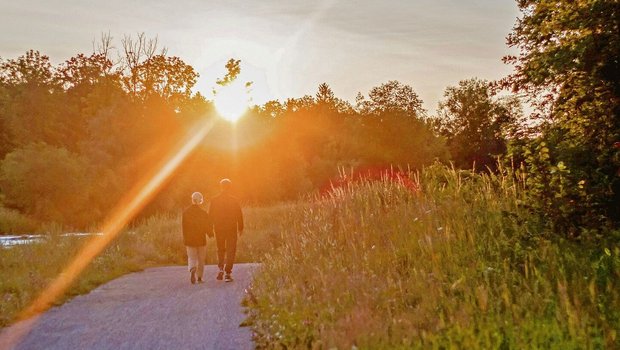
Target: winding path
154, 309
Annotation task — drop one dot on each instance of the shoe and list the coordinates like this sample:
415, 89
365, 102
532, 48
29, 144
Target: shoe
220, 276
192, 276
228, 278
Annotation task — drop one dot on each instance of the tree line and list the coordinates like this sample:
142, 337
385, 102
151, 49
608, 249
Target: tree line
76, 136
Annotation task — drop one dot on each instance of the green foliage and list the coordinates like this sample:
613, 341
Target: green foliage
476, 124
47, 182
568, 65
457, 264
391, 97
233, 68
116, 119
551, 192
12, 221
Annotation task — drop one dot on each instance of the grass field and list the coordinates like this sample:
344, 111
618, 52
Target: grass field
458, 264
26, 269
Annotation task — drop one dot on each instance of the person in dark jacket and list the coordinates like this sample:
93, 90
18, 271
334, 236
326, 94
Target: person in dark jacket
196, 225
227, 220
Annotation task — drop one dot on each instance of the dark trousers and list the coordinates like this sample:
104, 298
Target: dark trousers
226, 250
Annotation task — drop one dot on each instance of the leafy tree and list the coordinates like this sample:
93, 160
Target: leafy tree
168, 77
29, 107
569, 65
85, 71
271, 109
83, 78
326, 99
390, 129
233, 69
325, 94
100, 124
391, 97
47, 182
475, 124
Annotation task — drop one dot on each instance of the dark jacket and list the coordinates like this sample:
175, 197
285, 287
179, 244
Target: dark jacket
196, 224
225, 213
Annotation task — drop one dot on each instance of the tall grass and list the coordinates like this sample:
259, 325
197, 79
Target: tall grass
457, 264
26, 269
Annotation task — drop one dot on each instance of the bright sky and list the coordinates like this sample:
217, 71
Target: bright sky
286, 47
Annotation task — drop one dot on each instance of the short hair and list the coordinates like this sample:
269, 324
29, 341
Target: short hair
225, 184
197, 198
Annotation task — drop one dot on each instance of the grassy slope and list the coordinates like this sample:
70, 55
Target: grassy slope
26, 270
458, 264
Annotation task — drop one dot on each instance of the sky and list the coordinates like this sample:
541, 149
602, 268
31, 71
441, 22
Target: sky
287, 48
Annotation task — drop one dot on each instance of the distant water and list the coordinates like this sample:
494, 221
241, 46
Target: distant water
14, 240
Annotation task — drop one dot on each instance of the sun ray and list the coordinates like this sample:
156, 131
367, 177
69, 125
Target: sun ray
123, 213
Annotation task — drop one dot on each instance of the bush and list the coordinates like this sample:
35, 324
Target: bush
12, 221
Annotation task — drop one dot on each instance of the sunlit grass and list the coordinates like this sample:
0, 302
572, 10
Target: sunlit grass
458, 264
26, 269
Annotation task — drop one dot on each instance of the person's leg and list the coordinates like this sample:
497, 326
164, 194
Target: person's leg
192, 262
231, 251
202, 253
191, 257
220, 241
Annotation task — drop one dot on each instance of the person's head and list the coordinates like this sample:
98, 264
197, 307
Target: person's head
197, 198
225, 185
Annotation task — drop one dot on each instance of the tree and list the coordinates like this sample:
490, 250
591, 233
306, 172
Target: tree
47, 182
326, 99
233, 69
29, 108
391, 97
167, 77
569, 65
474, 123
325, 94
84, 71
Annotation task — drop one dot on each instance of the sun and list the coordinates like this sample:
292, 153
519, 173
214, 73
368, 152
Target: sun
232, 101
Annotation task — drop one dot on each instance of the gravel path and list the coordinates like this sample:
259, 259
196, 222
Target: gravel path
154, 309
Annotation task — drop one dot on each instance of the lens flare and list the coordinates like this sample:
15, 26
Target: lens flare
124, 212
231, 101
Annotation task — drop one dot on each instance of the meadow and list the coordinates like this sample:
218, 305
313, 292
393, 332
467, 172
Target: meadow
443, 259
27, 269
457, 263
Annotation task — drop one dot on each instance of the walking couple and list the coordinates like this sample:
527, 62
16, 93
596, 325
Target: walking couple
225, 219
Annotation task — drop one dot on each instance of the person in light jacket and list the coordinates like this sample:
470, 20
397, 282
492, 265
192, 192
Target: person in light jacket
196, 226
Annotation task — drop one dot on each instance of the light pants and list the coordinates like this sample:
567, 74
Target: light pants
196, 258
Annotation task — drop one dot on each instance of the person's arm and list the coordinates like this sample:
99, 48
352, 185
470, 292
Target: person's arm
183, 226
211, 215
208, 224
